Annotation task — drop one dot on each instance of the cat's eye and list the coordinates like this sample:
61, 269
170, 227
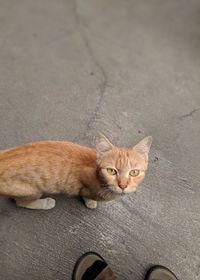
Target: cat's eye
111, 171
134, 172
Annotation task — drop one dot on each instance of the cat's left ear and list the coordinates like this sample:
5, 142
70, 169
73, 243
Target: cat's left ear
143, 147
103, 145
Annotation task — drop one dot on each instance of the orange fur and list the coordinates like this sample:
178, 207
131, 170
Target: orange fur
28, 171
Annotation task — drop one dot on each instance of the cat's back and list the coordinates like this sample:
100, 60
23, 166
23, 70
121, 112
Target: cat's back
41, 151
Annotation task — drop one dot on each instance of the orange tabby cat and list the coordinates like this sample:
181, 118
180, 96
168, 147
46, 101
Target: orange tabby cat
30, 170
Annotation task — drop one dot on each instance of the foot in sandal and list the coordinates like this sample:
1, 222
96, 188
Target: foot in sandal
91, 266
159, 272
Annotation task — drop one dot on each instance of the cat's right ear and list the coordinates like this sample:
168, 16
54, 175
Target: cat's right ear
103, 145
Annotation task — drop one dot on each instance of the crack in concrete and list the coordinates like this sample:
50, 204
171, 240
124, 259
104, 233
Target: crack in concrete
103, 85
189, 114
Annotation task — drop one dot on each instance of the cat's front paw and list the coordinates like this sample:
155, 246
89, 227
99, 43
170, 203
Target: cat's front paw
49, 203
89, 203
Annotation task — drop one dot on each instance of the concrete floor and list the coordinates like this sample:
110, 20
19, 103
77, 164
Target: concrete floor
129, 69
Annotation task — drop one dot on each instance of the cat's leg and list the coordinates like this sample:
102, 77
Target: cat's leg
90, 203
36, 203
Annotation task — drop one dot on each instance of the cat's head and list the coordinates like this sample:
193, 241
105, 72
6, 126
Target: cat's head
122, 169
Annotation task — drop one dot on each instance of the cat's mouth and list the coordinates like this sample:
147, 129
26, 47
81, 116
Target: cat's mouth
119, 191
116, 190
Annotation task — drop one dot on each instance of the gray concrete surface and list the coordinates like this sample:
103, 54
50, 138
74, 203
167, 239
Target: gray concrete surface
128, 69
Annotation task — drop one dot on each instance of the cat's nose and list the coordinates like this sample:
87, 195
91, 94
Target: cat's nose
122, 186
